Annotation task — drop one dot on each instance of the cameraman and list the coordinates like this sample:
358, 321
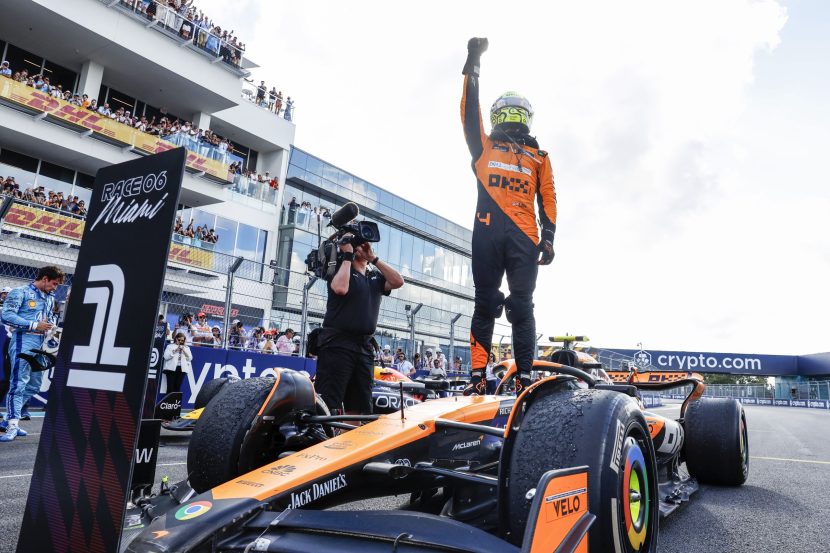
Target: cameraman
345, 355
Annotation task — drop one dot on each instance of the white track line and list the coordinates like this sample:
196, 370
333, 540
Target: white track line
29, 473
791, 460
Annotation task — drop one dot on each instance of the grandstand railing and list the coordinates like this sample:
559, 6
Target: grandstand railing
184, 31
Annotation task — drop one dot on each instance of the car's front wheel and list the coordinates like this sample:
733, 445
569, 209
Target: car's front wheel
606, 431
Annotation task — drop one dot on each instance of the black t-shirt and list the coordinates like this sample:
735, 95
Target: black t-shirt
356, 312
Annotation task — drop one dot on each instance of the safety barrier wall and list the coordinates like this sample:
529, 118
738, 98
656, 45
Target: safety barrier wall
803, 403
211, 363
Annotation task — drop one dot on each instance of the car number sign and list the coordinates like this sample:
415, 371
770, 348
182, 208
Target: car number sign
82, 472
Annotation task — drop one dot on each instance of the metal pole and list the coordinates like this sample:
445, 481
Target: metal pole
311, 280
228, 299
452, 338
412, 327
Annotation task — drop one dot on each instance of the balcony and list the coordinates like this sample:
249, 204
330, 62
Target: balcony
186, 32
92, 124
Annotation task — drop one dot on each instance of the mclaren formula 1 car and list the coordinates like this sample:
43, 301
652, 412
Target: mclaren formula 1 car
570, 465
386, 396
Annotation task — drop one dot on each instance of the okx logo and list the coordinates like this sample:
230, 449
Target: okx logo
642, 359
101, 350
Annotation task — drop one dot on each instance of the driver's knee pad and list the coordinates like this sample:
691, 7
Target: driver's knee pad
489, 302
519, 308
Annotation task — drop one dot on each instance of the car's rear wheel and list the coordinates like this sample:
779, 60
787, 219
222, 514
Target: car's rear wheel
607, 432
716, 446
213, 456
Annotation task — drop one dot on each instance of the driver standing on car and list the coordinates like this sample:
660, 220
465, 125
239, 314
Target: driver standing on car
511, 174
345, 353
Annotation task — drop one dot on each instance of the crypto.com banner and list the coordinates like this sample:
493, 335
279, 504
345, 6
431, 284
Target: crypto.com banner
82, 471
707, 362
211, 363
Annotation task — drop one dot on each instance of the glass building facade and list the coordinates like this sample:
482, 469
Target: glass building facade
432, 254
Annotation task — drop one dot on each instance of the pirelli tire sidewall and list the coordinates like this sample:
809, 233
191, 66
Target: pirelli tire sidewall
606, 431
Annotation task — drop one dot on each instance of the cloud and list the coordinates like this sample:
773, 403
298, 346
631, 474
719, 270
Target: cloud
646, 109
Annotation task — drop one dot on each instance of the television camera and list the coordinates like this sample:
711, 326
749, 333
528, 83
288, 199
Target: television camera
324, 260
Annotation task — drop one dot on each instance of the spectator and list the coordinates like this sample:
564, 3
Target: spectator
260, 93
5, 70
163, 329
437, 370
272, 98
255, 338
216, 336
202, 335
278, 104
419, 364
177, 363
185, 326
439, 355
236, 335
386, 358
289, 108
285, 344
403, 366
456, 366
490, 375
268, 345
428, 359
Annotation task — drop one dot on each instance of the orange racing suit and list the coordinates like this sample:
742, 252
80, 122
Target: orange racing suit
511, 174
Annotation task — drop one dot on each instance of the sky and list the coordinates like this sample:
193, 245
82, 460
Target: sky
687, 141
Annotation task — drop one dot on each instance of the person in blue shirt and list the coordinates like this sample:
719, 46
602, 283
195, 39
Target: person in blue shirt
29, 312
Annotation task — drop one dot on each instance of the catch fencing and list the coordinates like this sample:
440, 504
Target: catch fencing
227, 288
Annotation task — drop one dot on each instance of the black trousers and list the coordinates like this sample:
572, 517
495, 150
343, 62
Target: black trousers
174, 380
345, 378
497, 251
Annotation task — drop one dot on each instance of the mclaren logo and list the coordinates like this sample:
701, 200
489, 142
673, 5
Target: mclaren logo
467, 445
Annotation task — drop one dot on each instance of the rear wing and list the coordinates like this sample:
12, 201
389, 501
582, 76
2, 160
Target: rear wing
663, 380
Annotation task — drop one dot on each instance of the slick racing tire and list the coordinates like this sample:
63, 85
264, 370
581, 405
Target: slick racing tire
716, 446
213, 456
210, 389
606, 431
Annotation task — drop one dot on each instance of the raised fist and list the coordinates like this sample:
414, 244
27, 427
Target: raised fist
477, 45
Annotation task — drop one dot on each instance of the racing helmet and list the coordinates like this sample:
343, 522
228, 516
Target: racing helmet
511, 112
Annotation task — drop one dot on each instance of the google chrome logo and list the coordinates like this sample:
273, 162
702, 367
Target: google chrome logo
193, 510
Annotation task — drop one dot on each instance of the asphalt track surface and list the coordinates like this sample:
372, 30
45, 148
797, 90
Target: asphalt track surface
783, 507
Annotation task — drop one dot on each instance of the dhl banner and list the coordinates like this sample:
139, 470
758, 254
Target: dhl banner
27, 96
56, 224
188, 255
48, 222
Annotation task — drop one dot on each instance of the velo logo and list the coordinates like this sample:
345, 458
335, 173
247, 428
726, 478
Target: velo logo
101, 349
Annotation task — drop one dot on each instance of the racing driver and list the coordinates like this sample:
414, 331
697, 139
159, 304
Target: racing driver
511, 173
